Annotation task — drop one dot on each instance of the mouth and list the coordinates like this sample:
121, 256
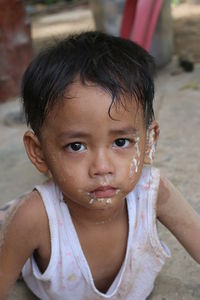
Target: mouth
104, 192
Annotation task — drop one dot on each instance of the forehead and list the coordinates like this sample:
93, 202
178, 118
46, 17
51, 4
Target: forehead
92, 104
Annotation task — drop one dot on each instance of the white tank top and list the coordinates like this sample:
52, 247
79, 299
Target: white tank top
68, 276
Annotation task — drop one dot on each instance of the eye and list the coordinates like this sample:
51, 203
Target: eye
121, 143
75, 147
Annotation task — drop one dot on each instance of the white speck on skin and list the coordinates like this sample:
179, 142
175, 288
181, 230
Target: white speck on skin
105, 180
137, 148
136, 159
108, 201
100, 223
91, 201
152, 145
101, 200
134, 166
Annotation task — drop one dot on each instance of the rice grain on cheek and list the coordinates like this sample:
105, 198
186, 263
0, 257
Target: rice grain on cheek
135, 162
152, 145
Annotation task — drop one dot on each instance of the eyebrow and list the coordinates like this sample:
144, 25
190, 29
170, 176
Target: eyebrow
74, 134
82, 134
124, 131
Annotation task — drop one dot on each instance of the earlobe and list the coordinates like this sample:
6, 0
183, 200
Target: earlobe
151, 142
34, 151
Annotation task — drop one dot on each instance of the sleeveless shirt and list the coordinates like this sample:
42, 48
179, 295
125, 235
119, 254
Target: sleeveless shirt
68, 274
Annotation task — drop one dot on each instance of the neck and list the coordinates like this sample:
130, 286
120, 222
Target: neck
100, 215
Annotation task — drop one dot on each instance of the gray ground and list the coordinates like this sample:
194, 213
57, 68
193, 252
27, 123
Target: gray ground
178, 111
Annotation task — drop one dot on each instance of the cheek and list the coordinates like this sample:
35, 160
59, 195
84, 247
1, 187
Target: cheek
67, 174
69, 182
59, 168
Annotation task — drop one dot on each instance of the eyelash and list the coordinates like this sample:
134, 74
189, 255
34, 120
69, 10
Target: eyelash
124, 140
70, 149
70, 146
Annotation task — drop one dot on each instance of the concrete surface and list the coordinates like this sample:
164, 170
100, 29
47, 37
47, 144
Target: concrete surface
178, 156
178, 111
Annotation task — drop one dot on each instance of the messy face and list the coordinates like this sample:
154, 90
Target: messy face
95, 159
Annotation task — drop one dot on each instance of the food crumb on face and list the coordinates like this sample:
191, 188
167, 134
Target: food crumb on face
108, 201
136, 159
91, 201
152, 144
101, 200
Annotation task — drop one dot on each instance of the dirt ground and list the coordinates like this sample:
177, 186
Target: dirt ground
186, 21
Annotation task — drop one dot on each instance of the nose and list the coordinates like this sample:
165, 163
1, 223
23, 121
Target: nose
101, 163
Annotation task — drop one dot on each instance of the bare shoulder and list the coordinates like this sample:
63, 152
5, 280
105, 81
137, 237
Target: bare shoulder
31, 206
170, 202
179, 217
27, 212
163, 193
25, 221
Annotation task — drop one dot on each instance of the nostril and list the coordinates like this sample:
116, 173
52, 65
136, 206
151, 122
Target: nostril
101, 163
104, 170
103, 173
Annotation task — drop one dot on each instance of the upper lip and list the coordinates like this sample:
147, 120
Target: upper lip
103, 188
103, 192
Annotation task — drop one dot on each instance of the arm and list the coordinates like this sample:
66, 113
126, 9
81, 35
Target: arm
174, 212
20, 237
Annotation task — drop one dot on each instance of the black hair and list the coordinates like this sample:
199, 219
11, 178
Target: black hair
119, 66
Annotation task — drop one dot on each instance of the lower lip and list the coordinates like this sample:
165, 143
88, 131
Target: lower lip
104, 194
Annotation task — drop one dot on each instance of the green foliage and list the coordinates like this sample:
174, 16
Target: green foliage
176, 2
48, 2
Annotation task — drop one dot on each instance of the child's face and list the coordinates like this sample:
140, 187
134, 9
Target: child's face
95, 160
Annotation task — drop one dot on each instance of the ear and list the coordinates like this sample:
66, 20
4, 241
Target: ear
34, 151
151, 142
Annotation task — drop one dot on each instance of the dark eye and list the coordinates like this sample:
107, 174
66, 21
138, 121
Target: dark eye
121, 143
75, 147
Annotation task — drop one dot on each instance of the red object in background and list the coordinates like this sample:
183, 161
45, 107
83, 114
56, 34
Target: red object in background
139, 21
15, 47
128, 18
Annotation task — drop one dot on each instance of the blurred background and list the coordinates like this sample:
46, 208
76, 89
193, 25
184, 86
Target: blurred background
27, 26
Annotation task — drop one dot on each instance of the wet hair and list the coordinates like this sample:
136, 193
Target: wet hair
119, 66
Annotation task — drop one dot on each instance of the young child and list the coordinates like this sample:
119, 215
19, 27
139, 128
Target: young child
89, 232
